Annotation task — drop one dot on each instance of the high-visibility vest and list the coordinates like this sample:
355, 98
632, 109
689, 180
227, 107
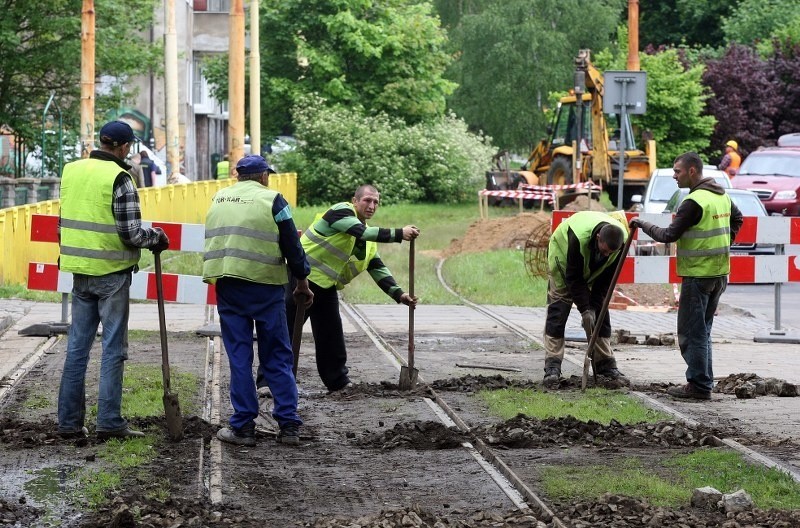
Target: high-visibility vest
736, 162
223, 169
331, 259
89, 242
242, 236
704, 249
582, 224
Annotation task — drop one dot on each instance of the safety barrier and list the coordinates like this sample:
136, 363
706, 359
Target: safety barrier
745, 269
180, 203
186, 289
544, 193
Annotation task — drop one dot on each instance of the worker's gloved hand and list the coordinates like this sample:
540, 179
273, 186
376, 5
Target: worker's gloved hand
408, 300
163, 241
588, 320
635, 223
410, 232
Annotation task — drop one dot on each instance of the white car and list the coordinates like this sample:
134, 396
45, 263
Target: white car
662, 186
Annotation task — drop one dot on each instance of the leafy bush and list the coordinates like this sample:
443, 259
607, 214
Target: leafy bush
342, 148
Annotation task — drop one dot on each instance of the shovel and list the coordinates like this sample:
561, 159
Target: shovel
172, 408
408, 374
297, 333
589, 359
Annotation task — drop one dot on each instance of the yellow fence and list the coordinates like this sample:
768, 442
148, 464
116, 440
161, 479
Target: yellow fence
185, 203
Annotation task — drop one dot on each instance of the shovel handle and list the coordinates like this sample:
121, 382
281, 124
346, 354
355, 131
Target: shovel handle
411, 308
162, 322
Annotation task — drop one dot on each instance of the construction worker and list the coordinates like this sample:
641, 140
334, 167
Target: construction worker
582, 257
340, 245
250, 240
732, 159
100, 236
704, 227
224, 168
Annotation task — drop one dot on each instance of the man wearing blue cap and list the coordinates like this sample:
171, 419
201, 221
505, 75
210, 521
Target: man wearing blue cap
250, 240
101, 233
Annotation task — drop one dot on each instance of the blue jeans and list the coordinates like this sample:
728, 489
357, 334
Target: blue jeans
241, 304
95, 299
698, 303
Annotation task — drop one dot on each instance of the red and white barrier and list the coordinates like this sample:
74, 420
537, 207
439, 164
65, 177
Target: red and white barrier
745, 269
186, 289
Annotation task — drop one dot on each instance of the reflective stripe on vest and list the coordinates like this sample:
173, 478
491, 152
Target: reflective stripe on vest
704, 249
582, 224
242, 236
331, 259
89, 242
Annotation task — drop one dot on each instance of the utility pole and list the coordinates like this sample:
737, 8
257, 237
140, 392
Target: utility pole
255, 80
236, 83
171, 88
87, 78
633, 35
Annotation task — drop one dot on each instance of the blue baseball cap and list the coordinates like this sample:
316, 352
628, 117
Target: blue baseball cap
253, 164
115, 133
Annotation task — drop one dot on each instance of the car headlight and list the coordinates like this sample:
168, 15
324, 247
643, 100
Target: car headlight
786, 195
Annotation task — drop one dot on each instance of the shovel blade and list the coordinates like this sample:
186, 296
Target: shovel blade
172, 411
408, 378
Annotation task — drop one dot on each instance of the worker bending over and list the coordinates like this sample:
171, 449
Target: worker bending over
581, 260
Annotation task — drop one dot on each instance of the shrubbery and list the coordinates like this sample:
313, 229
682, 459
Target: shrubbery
342, 148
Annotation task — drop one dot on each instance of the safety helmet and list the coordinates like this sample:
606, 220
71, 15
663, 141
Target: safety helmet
734, 145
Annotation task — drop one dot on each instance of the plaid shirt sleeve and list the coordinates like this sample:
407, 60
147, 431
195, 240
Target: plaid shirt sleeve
128, 215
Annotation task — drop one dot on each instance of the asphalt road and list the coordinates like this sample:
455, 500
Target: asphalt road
760, 299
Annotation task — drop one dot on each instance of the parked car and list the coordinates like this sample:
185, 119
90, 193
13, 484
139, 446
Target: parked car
773, 173
662, 185
747, 202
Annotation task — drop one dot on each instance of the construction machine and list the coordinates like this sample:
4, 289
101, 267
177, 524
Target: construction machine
583, 142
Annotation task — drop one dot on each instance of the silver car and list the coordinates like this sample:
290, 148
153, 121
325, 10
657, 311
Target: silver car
662, 185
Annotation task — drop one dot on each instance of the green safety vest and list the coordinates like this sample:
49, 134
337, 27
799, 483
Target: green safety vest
223, 170
582, 224
242, 236
704, 249
89, 242
331, 259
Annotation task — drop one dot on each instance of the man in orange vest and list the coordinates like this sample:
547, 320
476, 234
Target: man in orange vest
732, 159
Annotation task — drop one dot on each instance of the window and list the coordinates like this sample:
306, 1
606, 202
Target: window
212, 6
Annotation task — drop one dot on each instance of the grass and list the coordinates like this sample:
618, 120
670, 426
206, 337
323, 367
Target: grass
142, 390
600, 405
722, 469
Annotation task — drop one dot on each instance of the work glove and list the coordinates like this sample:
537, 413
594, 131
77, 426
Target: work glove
163, 241
588, 320
635, 223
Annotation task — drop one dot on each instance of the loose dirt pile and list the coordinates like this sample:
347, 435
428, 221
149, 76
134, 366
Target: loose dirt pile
509, 232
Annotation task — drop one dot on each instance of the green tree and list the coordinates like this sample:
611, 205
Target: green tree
760, 20
683, 22
342, 147
385, 56
512, 53
40, 54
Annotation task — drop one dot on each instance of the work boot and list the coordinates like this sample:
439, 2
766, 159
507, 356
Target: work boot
244, 436
125, 433
688, 392
552, 376
289, 435
605, 364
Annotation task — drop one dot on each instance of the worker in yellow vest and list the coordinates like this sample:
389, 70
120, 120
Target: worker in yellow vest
101, 233
704, 227
224, 168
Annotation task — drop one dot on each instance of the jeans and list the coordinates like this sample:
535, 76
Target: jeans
698, 303
94, 300
241, 304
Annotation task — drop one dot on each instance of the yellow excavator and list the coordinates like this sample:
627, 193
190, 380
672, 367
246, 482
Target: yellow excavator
582, 142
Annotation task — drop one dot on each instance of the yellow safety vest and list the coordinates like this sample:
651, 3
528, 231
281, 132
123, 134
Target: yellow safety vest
704, 249
582, 224
223, 170
242, 236
331, 259
89, 242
